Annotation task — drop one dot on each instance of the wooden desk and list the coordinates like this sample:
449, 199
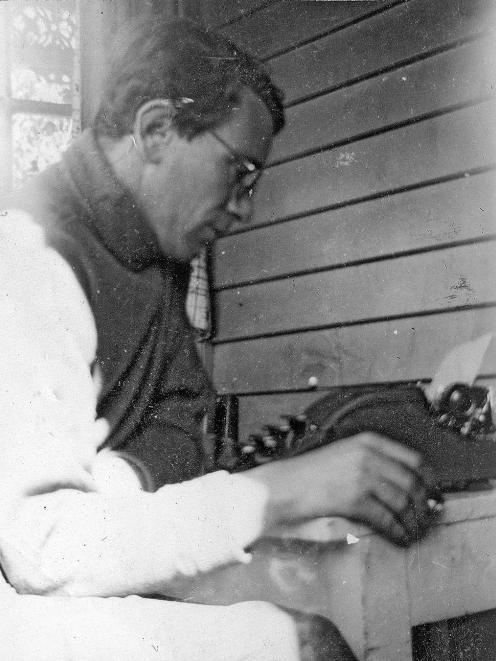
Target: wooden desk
373, 591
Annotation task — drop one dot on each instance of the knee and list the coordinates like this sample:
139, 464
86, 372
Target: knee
271, 630
319, 639
285, 633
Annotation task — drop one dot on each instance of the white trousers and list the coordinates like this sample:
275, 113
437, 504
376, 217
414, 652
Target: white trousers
36, 628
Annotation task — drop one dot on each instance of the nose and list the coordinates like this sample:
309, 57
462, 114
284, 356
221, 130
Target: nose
241, 208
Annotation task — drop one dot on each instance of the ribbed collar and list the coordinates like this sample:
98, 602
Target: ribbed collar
112, 211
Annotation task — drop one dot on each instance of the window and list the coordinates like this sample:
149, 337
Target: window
39, 85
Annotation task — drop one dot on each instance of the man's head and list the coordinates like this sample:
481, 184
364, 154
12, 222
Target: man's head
200, 114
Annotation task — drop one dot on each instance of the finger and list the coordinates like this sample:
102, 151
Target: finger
402, 491
381, 518
395, 450
399, 453
426, 505
409, 510
383, 468
417, 518
397, 502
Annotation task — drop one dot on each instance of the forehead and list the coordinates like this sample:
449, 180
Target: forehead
249, 130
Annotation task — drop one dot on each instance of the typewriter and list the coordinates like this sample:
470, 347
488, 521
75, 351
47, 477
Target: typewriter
449, 421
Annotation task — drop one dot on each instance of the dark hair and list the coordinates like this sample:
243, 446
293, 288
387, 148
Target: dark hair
180, 60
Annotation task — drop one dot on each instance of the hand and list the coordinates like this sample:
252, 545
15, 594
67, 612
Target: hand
366, 478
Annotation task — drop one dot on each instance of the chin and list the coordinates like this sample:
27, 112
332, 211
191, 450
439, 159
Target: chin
187, 255
193, 249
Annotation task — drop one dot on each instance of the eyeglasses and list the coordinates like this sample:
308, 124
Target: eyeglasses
248, 174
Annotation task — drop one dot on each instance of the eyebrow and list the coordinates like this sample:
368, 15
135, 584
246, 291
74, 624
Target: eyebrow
235, 153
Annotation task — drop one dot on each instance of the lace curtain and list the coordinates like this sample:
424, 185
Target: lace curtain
38, 64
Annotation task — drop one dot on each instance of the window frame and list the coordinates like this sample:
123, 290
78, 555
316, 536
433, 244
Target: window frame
10, 105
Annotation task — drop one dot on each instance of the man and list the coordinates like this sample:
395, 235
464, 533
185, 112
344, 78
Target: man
98, 356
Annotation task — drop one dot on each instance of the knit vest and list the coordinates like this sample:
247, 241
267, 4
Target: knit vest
154, 392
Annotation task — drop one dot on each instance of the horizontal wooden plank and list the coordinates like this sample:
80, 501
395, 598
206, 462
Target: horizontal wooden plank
215, 13
431, 149
456, 210
288, 23
403, 32
443, 80
255, 411
400, 350
433, 281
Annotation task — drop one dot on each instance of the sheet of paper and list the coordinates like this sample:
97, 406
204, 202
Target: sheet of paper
461, 365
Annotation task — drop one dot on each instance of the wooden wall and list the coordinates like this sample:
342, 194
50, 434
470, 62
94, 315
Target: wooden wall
372, 249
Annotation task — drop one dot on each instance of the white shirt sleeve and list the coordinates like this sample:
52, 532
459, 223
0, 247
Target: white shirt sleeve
61, 533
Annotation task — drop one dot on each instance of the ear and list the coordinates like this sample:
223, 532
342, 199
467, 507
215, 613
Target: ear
152, 128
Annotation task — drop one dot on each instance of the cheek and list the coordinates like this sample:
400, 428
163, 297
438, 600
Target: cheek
210, 184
